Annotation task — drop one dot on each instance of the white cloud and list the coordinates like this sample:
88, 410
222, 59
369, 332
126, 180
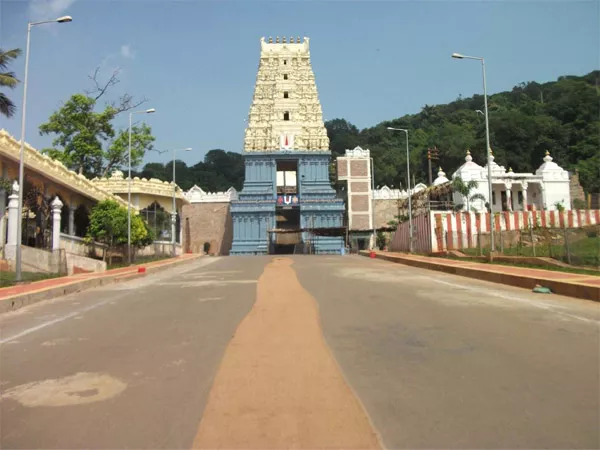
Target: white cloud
127, 52
48, 9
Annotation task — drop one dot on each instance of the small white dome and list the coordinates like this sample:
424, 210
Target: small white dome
441, 178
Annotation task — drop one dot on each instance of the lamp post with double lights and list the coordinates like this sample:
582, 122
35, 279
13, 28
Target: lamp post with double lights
147, 111
174, 211
30, 25
487, 139
410, 224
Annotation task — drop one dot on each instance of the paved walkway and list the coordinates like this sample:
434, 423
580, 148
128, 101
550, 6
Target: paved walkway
37, 286
571, 284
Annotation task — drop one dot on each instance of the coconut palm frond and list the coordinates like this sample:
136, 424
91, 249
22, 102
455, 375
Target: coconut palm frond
472, 185
478, 196
458, 185
8, 56
8, 79
7, 107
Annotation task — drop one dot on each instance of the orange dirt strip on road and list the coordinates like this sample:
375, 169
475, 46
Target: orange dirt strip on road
278, 385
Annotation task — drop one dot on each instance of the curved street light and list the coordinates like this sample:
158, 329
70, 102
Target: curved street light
147, 111
174, 211
410, 224
487, 141
18, 255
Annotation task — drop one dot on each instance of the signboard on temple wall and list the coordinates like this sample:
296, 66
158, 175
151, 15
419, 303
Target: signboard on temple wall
286, 141
287, 200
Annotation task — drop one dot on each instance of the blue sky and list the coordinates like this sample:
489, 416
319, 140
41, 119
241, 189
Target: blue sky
196, 60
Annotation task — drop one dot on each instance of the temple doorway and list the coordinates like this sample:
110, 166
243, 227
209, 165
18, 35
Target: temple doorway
287, 235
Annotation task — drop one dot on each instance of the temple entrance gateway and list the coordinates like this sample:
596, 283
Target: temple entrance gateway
287, 196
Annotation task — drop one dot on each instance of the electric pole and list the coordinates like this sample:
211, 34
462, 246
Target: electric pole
432, 154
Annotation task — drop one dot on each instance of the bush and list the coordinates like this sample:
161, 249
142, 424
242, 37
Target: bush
592, 232
579, 203
381, 240
108, 225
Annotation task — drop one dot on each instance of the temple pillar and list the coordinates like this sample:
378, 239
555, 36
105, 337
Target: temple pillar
3, 192
72, 209
524, 194
543, 191
173, 231
13, 215
509, 204
56, 212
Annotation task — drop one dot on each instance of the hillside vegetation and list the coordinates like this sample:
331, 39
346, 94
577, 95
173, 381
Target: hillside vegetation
562, 117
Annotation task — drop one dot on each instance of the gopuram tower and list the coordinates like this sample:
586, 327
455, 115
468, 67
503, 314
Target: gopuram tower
287, 204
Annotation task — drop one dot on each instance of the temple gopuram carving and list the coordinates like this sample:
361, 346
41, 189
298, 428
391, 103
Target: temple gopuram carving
287, 203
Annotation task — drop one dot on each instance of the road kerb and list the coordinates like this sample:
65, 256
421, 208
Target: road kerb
571, 288
77, 283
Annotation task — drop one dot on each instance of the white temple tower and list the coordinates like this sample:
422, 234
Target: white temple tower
285, 113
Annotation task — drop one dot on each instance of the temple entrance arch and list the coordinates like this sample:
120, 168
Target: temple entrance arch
158, 220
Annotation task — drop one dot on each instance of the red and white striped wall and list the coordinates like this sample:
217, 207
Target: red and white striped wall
441, 231
459, 230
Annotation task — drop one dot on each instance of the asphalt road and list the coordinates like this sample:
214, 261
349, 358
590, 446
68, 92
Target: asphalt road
433, 360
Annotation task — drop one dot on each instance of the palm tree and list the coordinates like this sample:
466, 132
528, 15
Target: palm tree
7, 79
464, 189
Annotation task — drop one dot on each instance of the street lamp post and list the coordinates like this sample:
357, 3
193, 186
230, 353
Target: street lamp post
147, 111
410, 223
30, 25
374, 245
487, 140
174, 211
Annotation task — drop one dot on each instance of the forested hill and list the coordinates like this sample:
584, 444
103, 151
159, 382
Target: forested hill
562, 117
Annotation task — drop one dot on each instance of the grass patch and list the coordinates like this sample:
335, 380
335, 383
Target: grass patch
8, 278
584, 251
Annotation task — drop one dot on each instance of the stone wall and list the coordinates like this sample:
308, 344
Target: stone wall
385, 211
37, 260
159, 248
77, 246
207, 222
575, 189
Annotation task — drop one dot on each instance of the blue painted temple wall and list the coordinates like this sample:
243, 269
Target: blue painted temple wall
253, 213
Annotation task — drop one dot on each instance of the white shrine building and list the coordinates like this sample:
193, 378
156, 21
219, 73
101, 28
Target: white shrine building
513, 191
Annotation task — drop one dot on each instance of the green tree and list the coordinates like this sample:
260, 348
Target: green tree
86, 140
154, 170
219, 171
108, 225
7, 80
342, 135
562, 117
465, 188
